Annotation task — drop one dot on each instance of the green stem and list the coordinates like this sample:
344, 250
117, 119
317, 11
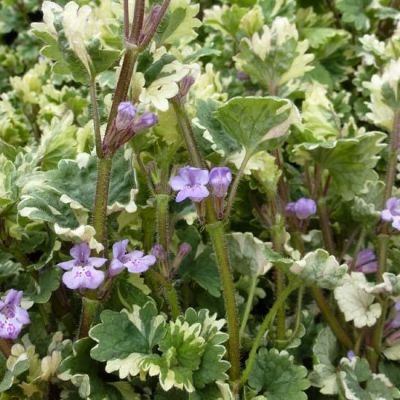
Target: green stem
269, 318
90, 309
187, 133
330, 318
101, 199
162, 217
216, 232
217, 235
235, 184
96, 118
393, 154
169, 291
326, 225
297, 323
278, 240
249, 303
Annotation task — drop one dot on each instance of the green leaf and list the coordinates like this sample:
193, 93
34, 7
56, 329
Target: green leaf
249, 255
325, 352
136, 332
252, 121
350, 162
320, 269
354, 13
40, 291
277, 377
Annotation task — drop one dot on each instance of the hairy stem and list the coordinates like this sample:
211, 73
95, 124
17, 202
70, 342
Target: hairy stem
101, 199
162, 217
249, 303
269, 318
96, 118
216, 232
235, 184
326, 225
90, 309
169, 291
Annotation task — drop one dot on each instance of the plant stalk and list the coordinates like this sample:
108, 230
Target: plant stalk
249, 303
90, 309
269, 318
96, 118
217, 235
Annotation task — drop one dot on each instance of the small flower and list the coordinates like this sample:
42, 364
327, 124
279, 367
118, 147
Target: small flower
366, 261
395, 322
145, 121
126, 114
351, 355
190, 183
183, 250
185, 84
12, 316
134, 261
392, 212
220, 179
81, 270
302, 208
158, 252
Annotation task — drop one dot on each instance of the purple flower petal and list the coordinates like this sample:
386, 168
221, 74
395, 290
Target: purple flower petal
140, 264
220, 179
304, 208
178, 183
119, 248
198, 193
94, 278
13, 297
67, 265
96, 262
116, 267
183, 195
135, 254
80, 252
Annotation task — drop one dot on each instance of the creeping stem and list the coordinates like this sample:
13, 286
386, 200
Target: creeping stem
217, 235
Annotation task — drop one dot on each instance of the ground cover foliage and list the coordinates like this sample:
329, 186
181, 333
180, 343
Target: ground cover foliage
199, 199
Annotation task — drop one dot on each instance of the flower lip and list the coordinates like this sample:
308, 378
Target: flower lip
190, 183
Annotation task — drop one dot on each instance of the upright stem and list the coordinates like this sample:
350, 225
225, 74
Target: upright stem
162, 216
235, 184
216, 231
326, 225
249, 303
393, 154
90, 309
101, 200
217, 235
278, 240
96, 117
269, 318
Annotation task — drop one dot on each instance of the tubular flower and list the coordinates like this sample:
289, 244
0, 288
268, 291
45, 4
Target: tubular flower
392, 212
302, 208
190, 183
134, 262
220, 179
366, 262
81, 270
12, 316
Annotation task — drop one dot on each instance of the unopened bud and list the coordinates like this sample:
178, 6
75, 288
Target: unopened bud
126, 114
158, 252
183, 250
145, 121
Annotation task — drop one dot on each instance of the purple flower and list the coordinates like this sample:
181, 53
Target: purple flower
220, 179
351, 355
134, 261
395, 322
185, 84
392, 212
12, 316
126, 114
190, 183
302, 208
81, 270
145, 121
158, 252
366, 261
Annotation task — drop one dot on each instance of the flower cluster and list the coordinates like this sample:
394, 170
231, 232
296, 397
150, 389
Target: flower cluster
126, 125
303, 208
12, 316
82, 271
191, 183
392, 212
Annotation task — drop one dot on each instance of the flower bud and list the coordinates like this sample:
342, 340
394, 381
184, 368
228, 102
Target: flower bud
184, 249
302, 208
366, 261
185, 84
219, 180
145, 121
158, 252
126, 114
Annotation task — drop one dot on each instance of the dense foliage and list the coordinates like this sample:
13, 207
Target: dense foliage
199, 199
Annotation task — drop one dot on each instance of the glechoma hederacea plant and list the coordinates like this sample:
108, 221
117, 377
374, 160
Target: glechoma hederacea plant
200, 199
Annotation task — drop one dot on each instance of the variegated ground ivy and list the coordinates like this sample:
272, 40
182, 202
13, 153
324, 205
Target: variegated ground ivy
199, 200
